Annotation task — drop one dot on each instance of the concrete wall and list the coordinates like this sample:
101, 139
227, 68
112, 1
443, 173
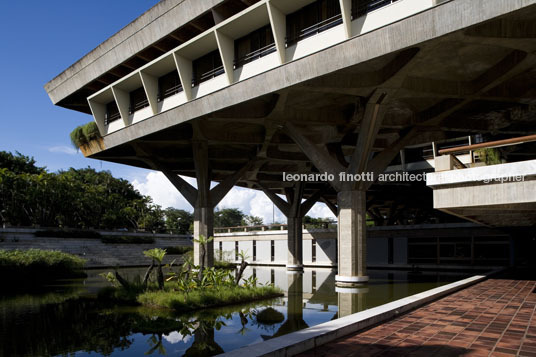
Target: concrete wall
96, 253
325, 247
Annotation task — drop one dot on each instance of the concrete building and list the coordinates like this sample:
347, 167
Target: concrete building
239, 91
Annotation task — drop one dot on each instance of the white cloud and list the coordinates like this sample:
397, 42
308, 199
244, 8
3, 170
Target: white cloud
63, 149
251, 202
163, 193
176, 337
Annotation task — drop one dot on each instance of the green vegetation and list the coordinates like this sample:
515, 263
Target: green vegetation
190, 288
83, 134
30, 196
228, 217
35, 265
127, 239
491, 156
179, 249
179, 221
200, 299
311, 222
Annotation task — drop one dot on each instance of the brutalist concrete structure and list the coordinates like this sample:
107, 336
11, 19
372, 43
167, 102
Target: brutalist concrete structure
239, 91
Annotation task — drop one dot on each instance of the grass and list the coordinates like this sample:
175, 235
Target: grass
36, 265
127, 240
205, 298
179, 249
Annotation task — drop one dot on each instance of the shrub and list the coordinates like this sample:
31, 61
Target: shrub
127, 240
83, 134
36, 265
77, 137
67, 233
179, 249
91, 131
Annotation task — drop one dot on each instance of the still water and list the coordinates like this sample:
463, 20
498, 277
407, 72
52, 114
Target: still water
65, 319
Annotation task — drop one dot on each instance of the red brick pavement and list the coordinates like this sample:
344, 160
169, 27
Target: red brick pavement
493, 318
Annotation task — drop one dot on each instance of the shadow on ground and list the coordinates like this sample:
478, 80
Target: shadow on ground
355, 349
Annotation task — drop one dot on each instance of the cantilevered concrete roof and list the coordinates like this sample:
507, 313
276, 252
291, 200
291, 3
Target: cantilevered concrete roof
164, 26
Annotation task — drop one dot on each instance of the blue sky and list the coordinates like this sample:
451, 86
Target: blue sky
39, 40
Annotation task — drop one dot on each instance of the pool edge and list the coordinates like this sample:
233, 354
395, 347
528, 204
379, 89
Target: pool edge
309, 338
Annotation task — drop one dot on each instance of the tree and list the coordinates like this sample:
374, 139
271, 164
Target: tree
228, 217
178, 220
19, 163
253, 221
77, 198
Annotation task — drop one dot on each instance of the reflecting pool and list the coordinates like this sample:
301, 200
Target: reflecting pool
66, 319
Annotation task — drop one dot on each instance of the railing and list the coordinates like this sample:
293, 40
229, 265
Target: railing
169, 92
363, 7
273, 227
490, 144
315, 29
208, 75
266, 50
108, 118
137, 106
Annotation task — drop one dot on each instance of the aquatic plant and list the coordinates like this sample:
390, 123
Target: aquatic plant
157, 255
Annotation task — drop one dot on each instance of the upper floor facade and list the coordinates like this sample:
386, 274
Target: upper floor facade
261, 37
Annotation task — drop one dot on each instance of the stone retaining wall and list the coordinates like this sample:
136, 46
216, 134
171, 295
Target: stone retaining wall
96, 253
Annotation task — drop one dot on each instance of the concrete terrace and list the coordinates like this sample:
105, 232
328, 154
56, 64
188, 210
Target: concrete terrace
492, 318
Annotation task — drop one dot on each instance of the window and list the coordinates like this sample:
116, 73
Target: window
236, 250
207, 67
138, 100
169, 84
313, 250
112, 113
313, 281
363, 7
272, 251
221, 250
312, 19
253, 46
254, 250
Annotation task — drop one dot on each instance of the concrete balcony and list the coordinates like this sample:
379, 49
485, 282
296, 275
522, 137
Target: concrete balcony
496, 195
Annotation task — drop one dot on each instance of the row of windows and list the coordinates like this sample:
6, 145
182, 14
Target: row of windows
308, 21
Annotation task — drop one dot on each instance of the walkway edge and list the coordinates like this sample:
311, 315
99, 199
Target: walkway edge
304, 340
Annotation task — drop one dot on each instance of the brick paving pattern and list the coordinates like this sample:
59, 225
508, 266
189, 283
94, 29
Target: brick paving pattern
493, 318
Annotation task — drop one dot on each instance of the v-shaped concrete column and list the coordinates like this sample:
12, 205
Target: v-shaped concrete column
203, 199
351, 197
294, 210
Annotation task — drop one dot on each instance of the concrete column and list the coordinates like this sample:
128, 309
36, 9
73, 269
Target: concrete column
295, 243
295, 296
204, 225
351, 301
351, 233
